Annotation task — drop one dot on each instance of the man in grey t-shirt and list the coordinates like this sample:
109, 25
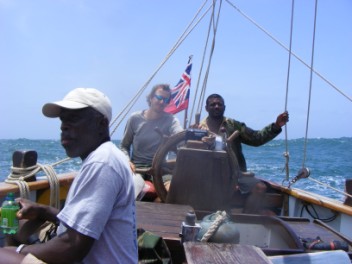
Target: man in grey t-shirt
141, 140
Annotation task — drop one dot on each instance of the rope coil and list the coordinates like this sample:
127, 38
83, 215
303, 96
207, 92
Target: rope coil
221, 216
19, 176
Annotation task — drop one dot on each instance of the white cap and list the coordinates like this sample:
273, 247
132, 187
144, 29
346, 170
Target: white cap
80, 98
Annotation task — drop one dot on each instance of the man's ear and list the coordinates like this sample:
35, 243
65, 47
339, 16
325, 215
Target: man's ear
104, 121
103, 126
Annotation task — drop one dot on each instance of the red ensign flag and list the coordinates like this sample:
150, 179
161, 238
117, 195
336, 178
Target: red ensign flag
180, 93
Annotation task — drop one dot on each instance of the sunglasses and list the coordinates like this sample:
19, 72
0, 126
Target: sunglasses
159, 97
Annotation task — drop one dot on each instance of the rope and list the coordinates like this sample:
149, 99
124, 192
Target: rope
305, 174
329, 186
213, 24
130, 104
312, 70
200, 73
221, 216
293, 54
215, 27
19, 176
61, 161
310, 87
54, 185
286, 154
287, 167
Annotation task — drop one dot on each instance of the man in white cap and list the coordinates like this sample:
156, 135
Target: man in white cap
97, 223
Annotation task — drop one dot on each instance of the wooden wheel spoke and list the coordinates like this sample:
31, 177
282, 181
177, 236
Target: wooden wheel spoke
164, 162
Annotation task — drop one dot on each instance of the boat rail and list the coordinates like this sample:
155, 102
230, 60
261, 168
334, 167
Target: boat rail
42, 187
315, 199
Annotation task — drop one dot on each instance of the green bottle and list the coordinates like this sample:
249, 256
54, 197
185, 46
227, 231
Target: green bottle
9, 208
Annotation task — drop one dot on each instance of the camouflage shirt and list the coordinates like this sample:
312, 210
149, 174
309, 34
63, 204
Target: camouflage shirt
247, 136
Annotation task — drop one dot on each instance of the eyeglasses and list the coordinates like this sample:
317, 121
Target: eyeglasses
159, 97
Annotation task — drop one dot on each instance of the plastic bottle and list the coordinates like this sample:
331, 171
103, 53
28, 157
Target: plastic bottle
9, 221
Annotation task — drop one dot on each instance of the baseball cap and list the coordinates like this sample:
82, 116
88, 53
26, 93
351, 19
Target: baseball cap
80, 98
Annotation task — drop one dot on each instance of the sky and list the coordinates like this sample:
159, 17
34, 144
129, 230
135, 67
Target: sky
48, 48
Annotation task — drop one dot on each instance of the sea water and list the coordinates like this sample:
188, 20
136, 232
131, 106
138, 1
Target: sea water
329, 161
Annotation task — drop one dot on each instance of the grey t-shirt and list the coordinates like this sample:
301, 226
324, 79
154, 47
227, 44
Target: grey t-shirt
141, 141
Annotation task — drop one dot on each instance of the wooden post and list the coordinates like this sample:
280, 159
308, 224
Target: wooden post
25, 159
348, 188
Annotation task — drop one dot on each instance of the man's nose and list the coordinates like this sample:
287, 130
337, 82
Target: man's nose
64, 126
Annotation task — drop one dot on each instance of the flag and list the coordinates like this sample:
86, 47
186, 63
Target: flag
180, 93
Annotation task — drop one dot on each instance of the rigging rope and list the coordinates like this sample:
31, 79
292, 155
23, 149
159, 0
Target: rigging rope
215, 27
212, 25
310, 86
309, 103
184, 35
293, 54
312, 70
329, 186
287, 154
200, 72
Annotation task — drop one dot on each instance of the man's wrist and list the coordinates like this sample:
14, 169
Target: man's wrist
276, 127
20, 248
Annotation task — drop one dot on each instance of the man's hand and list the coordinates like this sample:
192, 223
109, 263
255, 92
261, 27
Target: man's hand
194, 126
282, 119
34, 211
29, 210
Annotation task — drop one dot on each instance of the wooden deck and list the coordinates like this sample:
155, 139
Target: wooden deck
164, 220
200, 253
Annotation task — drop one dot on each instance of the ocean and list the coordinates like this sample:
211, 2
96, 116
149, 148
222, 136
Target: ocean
329, 161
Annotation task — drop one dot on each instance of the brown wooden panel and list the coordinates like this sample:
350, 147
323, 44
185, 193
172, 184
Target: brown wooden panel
202, 179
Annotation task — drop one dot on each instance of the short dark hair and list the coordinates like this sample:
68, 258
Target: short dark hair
215, 96
165, 87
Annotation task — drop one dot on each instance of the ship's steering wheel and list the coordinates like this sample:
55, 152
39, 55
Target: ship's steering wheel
165, 160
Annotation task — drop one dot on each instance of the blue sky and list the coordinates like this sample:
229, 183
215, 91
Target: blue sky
47, 48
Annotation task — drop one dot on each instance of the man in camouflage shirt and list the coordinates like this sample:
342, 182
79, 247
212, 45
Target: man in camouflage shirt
217, 123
